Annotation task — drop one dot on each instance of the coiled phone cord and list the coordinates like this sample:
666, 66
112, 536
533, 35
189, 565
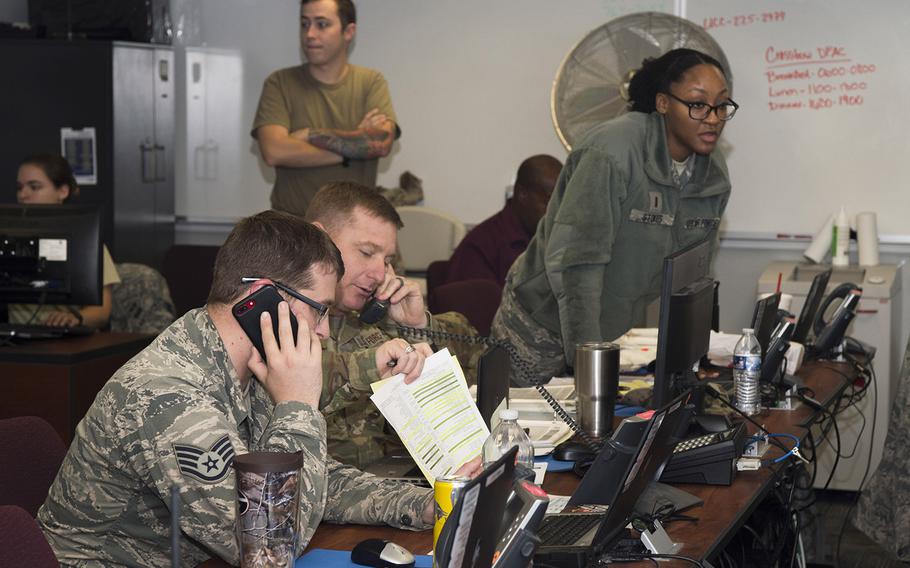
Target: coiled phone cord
524, 369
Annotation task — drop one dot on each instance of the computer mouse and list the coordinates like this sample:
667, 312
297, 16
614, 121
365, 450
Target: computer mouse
572, 451
382, 554
711, 423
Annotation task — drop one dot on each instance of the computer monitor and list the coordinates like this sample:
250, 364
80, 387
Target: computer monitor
493, 370
810, 307
764, 318
684, 325
50, 254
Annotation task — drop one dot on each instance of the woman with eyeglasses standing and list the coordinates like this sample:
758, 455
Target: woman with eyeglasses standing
636, 189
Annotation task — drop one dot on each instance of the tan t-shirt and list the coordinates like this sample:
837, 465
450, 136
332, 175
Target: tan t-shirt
26, 313
294, 99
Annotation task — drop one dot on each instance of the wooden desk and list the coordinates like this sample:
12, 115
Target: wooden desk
57, 379
725, 508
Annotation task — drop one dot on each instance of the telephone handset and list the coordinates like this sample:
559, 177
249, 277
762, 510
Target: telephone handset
373, 310
522, 366
829, 333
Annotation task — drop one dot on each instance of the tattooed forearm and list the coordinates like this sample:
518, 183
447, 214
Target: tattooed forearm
357, 144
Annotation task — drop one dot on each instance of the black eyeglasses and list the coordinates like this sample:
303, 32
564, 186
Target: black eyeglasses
322, 310
700, 111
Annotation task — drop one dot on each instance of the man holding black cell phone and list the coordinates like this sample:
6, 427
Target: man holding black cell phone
211, 386
364, 226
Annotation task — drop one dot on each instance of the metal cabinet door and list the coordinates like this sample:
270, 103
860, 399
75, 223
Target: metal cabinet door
164, 108
134, 151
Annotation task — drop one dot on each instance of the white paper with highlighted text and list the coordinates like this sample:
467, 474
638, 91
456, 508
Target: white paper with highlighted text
434, 416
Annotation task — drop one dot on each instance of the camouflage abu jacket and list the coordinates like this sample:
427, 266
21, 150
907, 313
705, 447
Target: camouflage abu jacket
109, 503
355, 429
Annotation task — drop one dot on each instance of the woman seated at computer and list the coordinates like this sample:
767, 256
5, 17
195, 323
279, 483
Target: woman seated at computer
48, 179
636, 189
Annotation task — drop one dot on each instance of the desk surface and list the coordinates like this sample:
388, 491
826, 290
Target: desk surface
724, 511
70, 350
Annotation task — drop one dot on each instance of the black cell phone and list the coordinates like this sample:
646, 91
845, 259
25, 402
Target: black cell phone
373, 310
248, 311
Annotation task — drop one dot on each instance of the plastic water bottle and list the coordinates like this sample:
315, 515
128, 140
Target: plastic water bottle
503, 438
746, 373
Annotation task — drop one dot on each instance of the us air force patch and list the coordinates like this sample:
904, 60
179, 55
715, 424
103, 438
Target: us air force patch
208, 466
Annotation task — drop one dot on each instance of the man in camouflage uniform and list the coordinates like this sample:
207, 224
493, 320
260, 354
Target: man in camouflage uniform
365, 226
176, 414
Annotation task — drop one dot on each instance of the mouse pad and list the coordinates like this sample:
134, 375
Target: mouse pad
342, 559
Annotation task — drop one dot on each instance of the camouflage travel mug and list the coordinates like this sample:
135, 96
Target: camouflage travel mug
268, 494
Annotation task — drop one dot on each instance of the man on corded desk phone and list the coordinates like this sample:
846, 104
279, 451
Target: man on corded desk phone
364, 226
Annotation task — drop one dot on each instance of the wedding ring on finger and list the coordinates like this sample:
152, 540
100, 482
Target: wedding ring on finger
409, 348
400, 280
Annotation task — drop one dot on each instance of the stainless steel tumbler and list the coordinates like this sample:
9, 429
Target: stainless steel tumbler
596, 384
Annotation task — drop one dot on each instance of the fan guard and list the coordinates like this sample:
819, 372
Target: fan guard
591, 85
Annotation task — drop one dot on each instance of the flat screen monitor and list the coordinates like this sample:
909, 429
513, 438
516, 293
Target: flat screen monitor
684, 324
50, 254
493, 370
810, 308
764, 318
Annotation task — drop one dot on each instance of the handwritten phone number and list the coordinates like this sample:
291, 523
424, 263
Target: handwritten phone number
743, 20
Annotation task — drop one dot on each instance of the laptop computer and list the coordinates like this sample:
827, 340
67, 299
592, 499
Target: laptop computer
573, 538
472, 530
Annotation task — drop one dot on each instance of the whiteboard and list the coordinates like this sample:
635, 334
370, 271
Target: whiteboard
823, 87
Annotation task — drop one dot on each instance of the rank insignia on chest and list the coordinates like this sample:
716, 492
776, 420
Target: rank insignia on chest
371, 339
207, 465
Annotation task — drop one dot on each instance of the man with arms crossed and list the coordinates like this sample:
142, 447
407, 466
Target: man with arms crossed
325, 120
201, 387
365, 226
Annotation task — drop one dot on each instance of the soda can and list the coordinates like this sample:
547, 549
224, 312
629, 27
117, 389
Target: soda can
446, 491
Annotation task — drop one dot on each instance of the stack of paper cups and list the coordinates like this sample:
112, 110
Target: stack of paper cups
867, 238
821, 244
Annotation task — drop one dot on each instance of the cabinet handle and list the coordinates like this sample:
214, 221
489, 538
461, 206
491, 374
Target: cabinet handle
211, 160
160, 164
199, 166
144, 159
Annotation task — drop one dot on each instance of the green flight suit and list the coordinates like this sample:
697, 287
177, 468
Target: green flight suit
595, 262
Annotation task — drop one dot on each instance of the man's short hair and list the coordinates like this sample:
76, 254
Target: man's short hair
538, 172
347, 12
273, 245
335, 202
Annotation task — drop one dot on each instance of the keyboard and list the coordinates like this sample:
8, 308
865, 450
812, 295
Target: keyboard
38, 331
556, 530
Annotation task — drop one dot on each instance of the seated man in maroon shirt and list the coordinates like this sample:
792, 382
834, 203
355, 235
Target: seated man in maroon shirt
489, 249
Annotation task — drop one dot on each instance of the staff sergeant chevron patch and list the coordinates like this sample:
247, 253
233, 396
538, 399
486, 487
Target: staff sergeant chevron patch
208, 466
